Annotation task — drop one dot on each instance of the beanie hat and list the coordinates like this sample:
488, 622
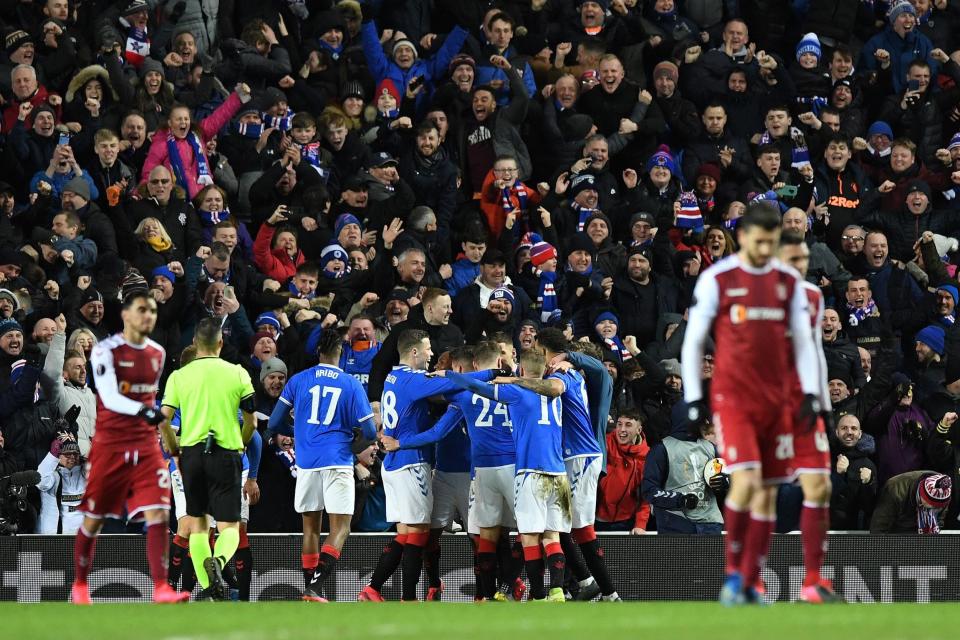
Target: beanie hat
918, 185
932, 336
459, 60
952, 290
272, 96
529, 239
641, 250
135, 6
131, 283
607, 315
15, 40
258, 336
404, 43
583, 182
671, 366
689, 216
576, 127
270, 319
78, 186
11, 296
343, 220
165, 272
388, 86
881, 128
272, 365
502, 293
661, 158
581, 242
709, 169
148, 65
541, 252
352, 89
842, 376
604, 4
935, 491
332, 252
898, 7
668, 69
8, 325
328, 21
643, 216
90, 295
9, 256
809, 43
954, 141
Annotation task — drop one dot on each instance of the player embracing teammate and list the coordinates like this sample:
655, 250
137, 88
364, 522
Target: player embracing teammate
757, 308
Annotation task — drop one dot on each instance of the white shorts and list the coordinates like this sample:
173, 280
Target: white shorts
180, 498
330, 490
409, 494
541, 502
451, 496
583, 474
493, 496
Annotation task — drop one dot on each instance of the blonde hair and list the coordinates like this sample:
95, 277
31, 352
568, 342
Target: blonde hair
163, 230
75, 336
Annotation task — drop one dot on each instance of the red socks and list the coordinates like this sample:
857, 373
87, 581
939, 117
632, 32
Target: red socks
755, 546
814, 522
83, 550
736, 522
157, 546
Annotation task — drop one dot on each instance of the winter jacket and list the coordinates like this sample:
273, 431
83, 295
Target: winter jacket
852, 500
274, 263
618, 497
487, 73
434, 183
844, 193
900, 432
902, 52
65, 394
903, 228
464, 274
842, 356
178, 217
896, 510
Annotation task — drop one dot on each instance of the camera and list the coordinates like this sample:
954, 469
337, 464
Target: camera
16, 513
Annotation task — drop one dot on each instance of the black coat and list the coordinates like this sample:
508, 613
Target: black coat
178, 218
626, 299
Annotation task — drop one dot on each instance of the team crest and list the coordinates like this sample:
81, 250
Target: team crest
182, 218
781, 291
156, 363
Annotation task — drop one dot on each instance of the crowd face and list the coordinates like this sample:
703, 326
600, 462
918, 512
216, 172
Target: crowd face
412, 267
606, 328
917, 202
12, 343
611, 75
830, 325
264, 349
336, 136
186, 47
580, 261
778, 123
93, 312
641, 231
483, 105
527, 337
306, 283
75, 371
439, 118
360, 329
837, 154
925, 355
919, 74
350, 236
831, 121
842, 96
737, 82
566, 89
226, 235
838, 391
107, 150
358, 260
44, 124
638, 268
716, 243
795, 219
134, 130
591, 14
901, 158
493, 275
428, 142
160, 184
769, 164
463, 77
273, 384
24, 83
714, 120
153, 82
852, 240
904, 24
876, 250
333, 37
848, 431
945, 303
356, 198
500, 33
44, 330
735, 36
858, 293
628, 430
396, 311
841, 65
62, 227
599, 151
598, 231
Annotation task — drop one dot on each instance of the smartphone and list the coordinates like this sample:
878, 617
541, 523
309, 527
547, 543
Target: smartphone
913, 85
416, 82
228, 292
64, 138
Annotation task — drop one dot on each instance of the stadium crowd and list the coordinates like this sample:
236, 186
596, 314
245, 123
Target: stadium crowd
484, 170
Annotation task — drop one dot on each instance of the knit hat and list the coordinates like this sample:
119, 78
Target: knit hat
606, 315
259, 335
952, 290
11, 296
935, 491
576, 127
502, 293
404, 43
668, 69
90, 295
662, 158
529, 239
270, 319
273, 96
325, 21
78, 186
332, 252
689, 216
581, 242
459, 60
272, 365
841, 375
881, 128
954, 141
809, 43
918, 185
640, 250
932, 336
898, 7
135, 6
604, 4
343, 220
15, 40
643, 216
165, 272
148, 65
388, 86
9, 324
583, 182
132, 283
352, 89
709, 169
671, 366
10, 256
541, 252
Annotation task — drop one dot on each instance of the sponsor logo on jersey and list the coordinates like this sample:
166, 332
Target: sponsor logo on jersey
125, 388
741, 313
737, 293
124, 363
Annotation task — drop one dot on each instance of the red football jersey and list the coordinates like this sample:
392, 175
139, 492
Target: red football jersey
752, 312
815, 308
127, 377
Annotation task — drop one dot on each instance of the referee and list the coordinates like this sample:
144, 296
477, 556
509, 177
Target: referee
208, 391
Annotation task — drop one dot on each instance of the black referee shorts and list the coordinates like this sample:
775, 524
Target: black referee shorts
211, 482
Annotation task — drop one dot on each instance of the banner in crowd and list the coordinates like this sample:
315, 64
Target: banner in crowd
863, 568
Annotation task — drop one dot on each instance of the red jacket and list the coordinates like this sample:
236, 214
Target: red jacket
619, 497
491, 203
274, 263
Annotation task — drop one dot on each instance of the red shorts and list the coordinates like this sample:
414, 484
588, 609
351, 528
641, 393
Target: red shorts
135, 478
811, 448
751, 437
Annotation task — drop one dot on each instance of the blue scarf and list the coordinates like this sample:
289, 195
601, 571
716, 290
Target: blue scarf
203, 171
296, 292
288, 458
547, 296
283, 123
311, 153
859, 315
211, 218
251, 130
582, 214
615, 344
335, 52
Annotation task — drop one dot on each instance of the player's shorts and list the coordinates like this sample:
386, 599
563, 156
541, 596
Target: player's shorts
541, 502
212, 482
135, 478
409, 494
493, 491
811, 447
451, 496
751, 437
180, 498
583, 474
330, 490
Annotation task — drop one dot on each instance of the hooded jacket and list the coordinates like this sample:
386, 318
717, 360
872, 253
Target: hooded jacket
275, 263
619, 496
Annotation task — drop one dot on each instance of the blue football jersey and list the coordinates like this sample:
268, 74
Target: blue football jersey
405, 411
537, 431
453, 451
358, 363
489, 428
579, 439
327, 404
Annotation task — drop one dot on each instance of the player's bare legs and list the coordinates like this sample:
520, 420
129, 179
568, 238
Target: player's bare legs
814, 522
209, 567
325, 557
386, 565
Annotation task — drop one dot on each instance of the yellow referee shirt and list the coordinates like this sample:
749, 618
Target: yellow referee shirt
208, 392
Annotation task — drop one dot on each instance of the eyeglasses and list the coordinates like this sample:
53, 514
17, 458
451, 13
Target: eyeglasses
853, 238
160, 181
510, 170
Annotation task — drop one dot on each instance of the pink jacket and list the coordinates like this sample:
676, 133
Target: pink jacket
208, 128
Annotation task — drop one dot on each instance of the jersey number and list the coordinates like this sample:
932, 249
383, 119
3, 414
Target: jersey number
315, 395
784, 447
388, 410
555, 408
486, 416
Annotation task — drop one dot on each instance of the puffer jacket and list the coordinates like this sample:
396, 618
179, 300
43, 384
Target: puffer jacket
619, 491
274, 263
902, 52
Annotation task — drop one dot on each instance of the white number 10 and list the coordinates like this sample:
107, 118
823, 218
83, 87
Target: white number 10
334, 393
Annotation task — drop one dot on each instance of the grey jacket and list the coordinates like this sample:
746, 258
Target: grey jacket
64, 394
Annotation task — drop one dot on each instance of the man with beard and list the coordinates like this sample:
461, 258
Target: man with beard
273, 377
96, 225
497, 317
360, 348
433, 178
717, 145
841, 354
471, 301
643, 295
527, 334
854, 476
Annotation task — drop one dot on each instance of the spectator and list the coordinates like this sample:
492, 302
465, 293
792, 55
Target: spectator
912, 502
853, 476
620, 505
62, 483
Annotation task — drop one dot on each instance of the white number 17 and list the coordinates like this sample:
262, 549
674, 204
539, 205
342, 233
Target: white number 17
316, 394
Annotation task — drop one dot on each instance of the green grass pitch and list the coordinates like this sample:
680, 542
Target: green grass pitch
485, 621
